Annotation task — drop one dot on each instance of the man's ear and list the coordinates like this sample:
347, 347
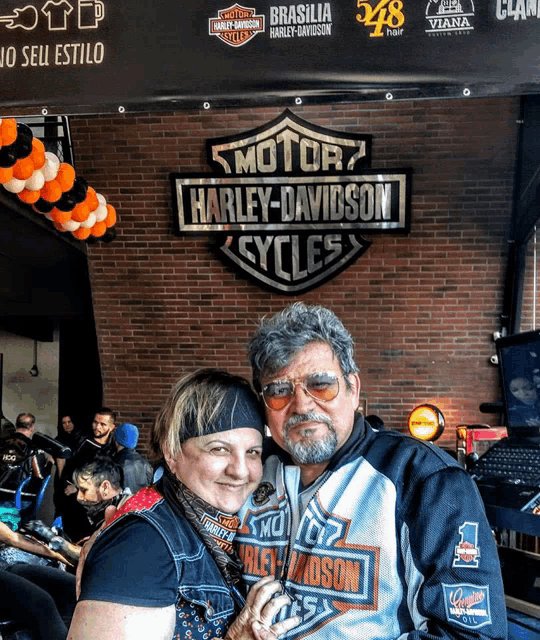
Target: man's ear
105, 489
354, 380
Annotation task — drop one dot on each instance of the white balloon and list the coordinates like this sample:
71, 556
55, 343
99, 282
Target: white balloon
90, 221
53, 158
48, 216
15, 185
49, 170
101, 212
71, 225
36, 181
101, 199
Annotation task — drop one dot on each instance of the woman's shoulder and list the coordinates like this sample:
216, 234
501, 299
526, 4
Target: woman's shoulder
130, 563
144, 500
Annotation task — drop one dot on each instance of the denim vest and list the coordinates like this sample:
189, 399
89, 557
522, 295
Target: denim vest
204, 606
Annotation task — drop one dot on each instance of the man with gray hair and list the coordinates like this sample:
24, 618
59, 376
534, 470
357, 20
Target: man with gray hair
99, 485
373, 534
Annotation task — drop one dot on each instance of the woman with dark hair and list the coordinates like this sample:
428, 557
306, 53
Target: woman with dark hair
68, 434
165, 565
71, 437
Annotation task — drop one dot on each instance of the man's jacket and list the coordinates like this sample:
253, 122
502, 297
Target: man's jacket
393, 544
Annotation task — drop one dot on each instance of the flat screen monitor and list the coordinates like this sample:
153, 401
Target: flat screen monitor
519, 365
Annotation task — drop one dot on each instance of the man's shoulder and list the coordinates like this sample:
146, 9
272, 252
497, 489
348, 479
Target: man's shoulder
395, 453
17, 436
130, 456
133, 453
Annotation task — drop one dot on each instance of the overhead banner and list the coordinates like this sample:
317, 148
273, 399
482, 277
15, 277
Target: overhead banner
288, 202
73, 56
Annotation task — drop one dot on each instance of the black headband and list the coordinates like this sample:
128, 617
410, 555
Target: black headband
240, 409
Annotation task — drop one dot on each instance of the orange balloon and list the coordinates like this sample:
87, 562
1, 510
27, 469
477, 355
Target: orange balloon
80, 212
110, 220
38, 153
60, 216
6, 173
51, 191
91, 199
65, 176
23, 168
98, 229
59, 227
28, 196
8, 131
81, 233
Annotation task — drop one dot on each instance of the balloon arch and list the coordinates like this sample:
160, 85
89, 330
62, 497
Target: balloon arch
51, 187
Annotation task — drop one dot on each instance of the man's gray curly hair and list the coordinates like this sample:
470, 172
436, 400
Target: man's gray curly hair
281, 337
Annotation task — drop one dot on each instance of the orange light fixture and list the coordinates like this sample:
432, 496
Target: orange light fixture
426, 422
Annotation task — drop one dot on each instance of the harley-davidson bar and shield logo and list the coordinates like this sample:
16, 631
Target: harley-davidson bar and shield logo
236, 25
288, 201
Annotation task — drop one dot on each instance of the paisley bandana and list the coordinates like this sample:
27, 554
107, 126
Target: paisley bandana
216, 529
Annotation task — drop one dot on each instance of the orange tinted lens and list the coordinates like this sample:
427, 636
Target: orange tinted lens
323, 387
277, 403
277, 395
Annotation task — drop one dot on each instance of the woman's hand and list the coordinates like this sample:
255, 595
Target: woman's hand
255, 621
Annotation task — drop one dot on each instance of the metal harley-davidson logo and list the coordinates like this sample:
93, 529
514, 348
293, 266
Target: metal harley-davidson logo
288, 201
236, 25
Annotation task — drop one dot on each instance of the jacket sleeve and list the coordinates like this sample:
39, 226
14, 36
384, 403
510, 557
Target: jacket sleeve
454, 582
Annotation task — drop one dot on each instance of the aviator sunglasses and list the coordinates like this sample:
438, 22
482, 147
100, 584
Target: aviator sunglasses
323, 387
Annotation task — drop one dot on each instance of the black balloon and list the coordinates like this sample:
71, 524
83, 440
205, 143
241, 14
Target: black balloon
23, 142
79, 189
21, 148
67, 201
91, 240
8, 157
44, 206
109, 235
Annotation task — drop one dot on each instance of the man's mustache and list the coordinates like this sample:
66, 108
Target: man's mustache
311, 416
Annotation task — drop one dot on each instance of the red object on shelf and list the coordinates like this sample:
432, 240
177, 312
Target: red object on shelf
477, 438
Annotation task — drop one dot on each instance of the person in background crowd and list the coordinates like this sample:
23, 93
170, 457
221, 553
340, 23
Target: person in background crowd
74, 520
137, 469
165, 566
373, 534
20, 459
16, 547
68, 434
71, 437
99, 485
42, 598
102, 440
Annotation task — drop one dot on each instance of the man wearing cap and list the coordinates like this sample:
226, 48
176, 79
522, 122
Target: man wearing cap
137, 470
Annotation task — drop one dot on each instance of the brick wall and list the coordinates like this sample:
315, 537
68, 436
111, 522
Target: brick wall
422, 307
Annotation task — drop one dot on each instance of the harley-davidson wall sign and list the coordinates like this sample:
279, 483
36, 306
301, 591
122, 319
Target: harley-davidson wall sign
288, 201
